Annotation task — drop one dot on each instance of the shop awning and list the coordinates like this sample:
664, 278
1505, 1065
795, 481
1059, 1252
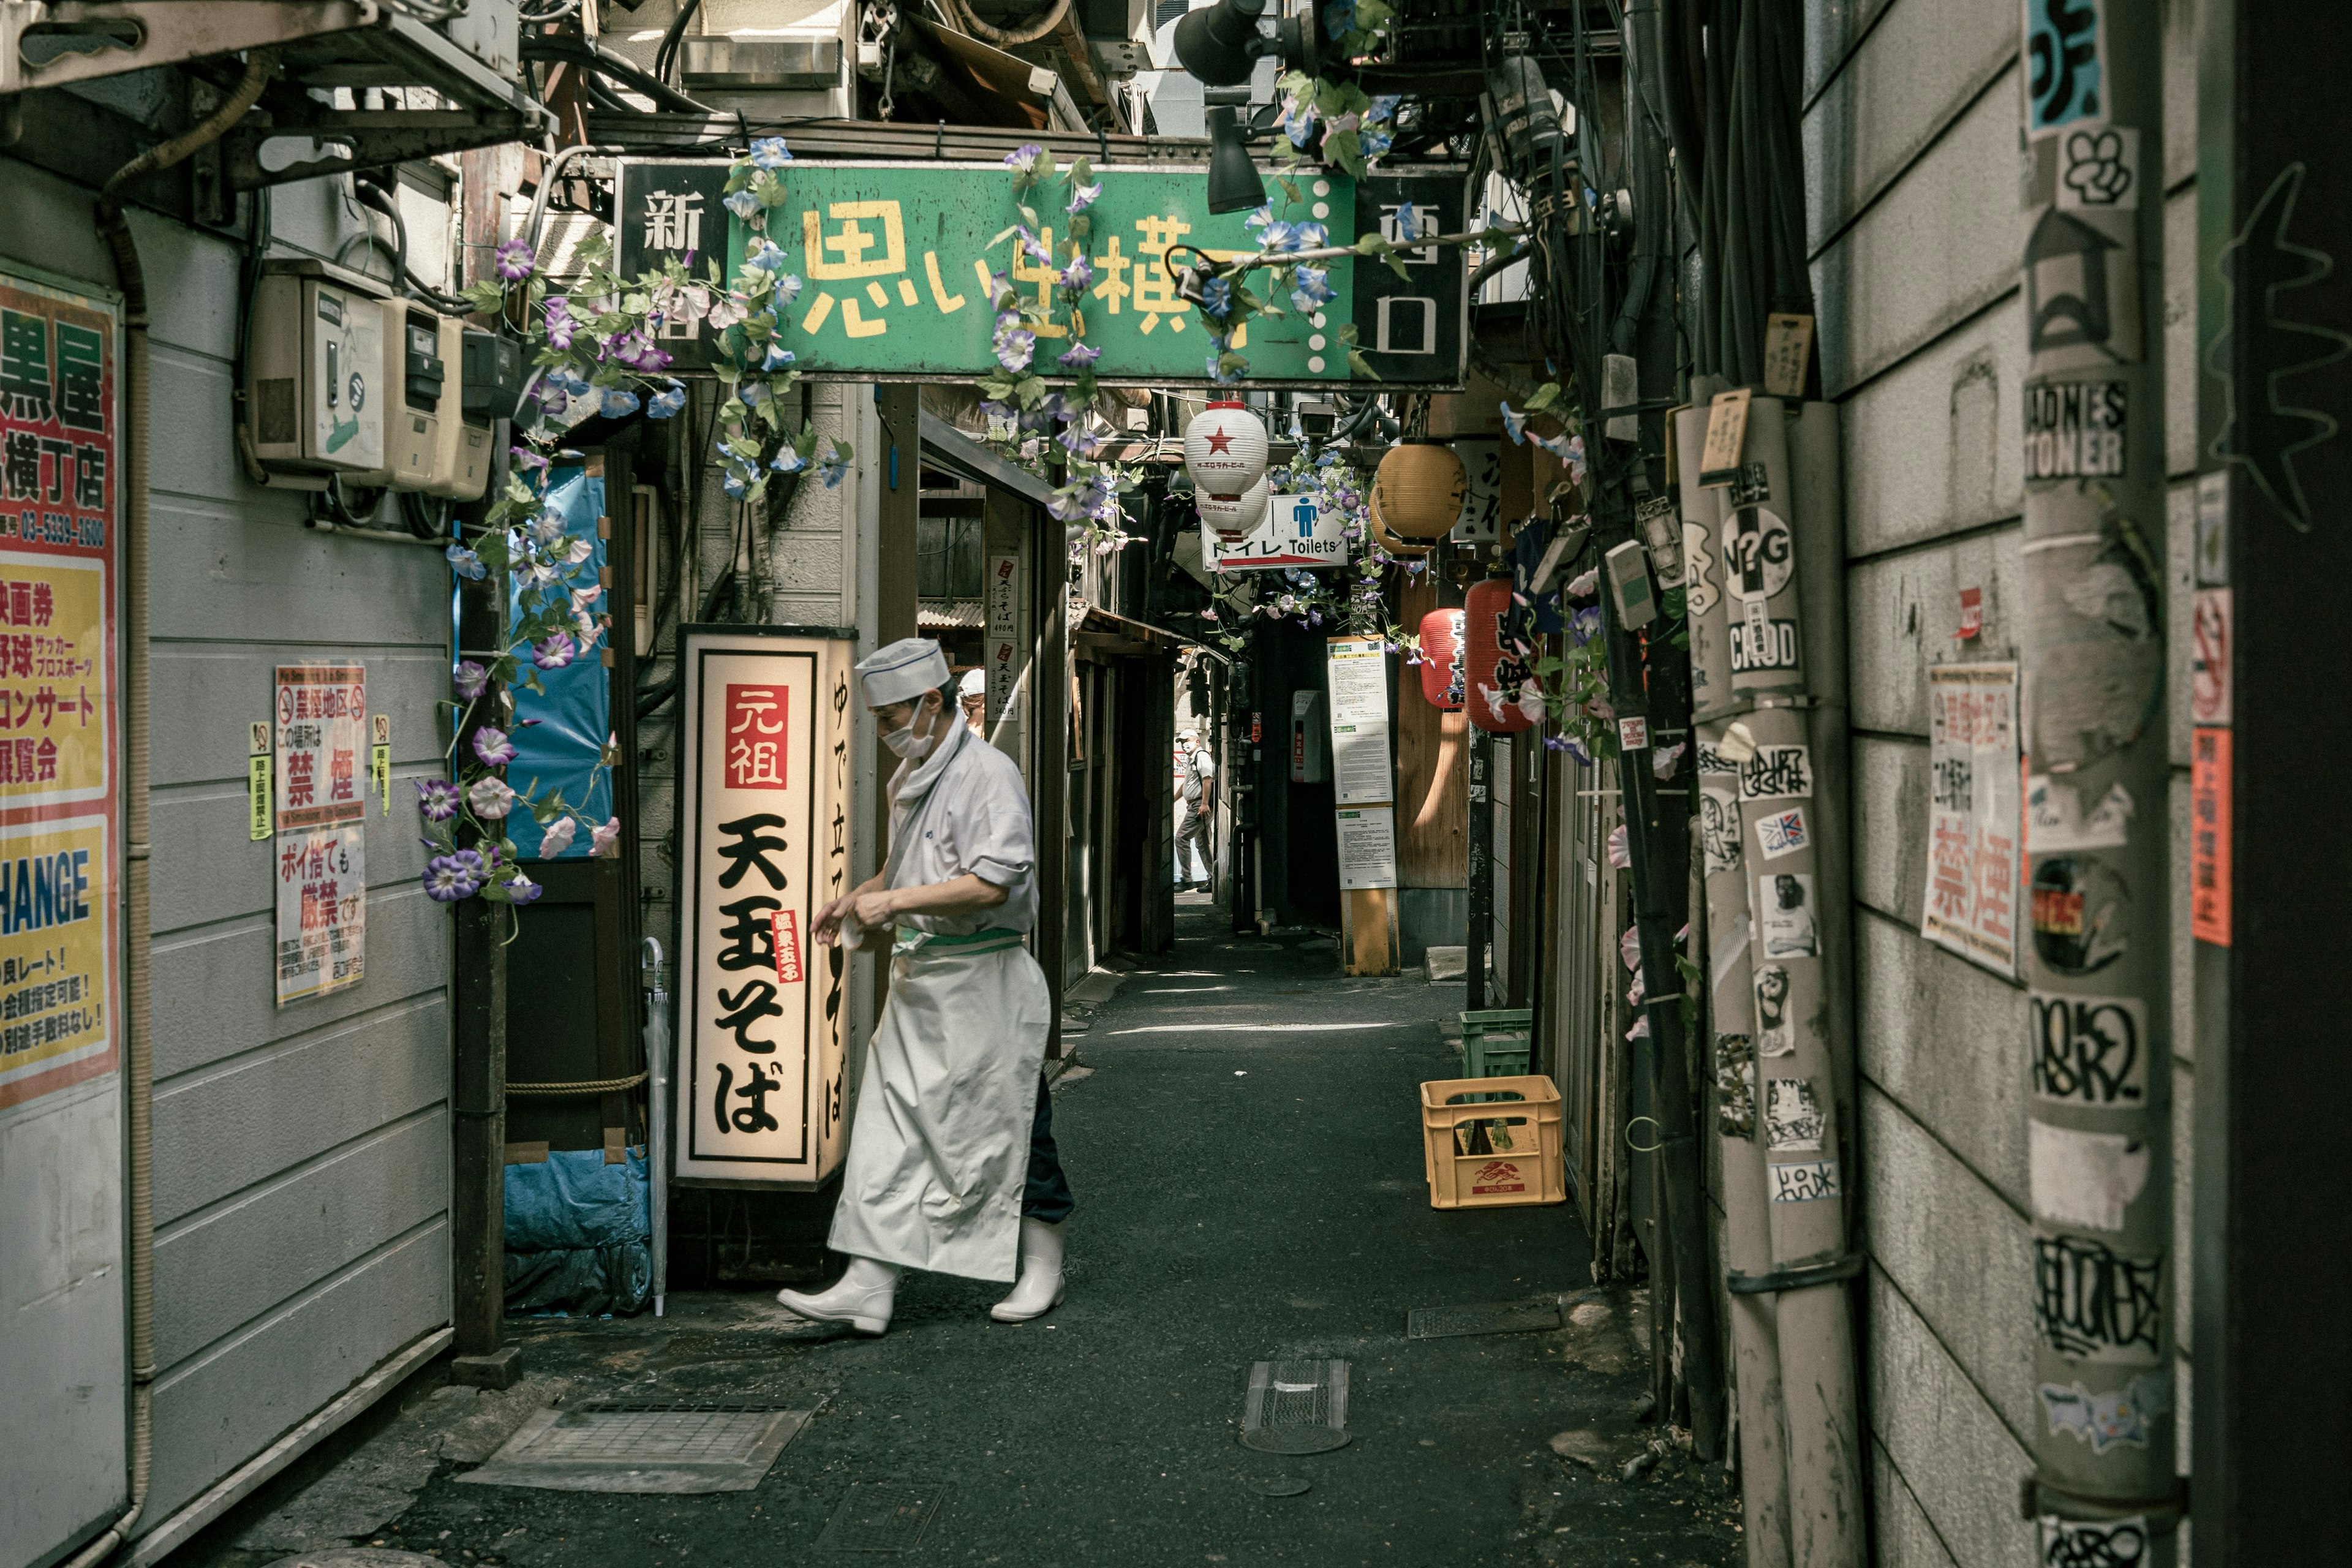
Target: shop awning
967, 455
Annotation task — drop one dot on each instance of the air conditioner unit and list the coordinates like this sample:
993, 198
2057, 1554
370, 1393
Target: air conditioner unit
314, 378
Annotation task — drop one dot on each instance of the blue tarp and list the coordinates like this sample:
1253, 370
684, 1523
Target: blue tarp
575, 716
577, 1234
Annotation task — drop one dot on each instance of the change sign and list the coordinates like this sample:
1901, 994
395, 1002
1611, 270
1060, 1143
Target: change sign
896, 261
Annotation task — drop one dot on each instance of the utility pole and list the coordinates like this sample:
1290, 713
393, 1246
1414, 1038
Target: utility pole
2272, 1274
2098, 1055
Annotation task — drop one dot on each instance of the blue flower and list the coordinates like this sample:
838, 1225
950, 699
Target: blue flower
1079, 356
769, 153
1217, 298
663, 404
834, 464
1340, 17
789, 461
1515, 425
1261, 217
1078, 441
1311, 288
752, 393
563, 380
767, 254
1373, 144
1408, 225
465, 564
734, 486
619, 403
1385, 107
788, 288
778, 355
745, 205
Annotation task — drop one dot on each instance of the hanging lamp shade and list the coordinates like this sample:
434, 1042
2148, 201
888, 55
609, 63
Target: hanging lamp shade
1421, 486
1231, 518
1492, 682
1402, 549
1224, 448
1442, 669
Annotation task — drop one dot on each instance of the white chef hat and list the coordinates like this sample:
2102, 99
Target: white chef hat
975, 683
902, 670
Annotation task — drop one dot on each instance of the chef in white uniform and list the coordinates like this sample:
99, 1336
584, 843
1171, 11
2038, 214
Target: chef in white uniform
952, 1162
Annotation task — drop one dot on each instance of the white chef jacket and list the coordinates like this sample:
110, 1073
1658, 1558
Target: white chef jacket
963, 810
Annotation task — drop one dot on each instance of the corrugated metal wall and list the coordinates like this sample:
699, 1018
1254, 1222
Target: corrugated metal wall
301, 1155
1911, 139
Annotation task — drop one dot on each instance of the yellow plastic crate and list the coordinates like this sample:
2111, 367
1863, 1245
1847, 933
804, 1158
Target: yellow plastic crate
1513, 1124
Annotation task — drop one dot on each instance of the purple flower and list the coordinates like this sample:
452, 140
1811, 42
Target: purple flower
635, 350
553, 651
1082, 197
1023, 158
1079, 274
491, 744
1081, 356
1016, 346
449, 877
470, 678
436, 799
527, 457
514, 260
561, 322
521, 889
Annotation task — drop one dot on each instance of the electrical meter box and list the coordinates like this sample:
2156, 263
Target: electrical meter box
420, 390
463, 471
314, 392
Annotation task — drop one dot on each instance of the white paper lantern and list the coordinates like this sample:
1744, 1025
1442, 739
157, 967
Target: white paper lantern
1224, 449
1231, 518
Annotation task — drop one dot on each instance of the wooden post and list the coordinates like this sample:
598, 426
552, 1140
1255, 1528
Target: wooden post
1049, 686
478, 1068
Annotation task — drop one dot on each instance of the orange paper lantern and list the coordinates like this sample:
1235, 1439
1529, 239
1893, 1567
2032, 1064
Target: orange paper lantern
1420, 489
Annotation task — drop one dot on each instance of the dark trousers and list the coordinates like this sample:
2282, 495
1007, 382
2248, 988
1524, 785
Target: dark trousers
1047, 1195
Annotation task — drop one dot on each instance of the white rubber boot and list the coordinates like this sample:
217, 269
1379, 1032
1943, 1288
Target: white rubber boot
861, 1298
1039, 1289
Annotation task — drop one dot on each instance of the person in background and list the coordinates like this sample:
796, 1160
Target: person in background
1198, 773
973, 695
951, 1163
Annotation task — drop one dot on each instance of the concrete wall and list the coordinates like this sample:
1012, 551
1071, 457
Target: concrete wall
301, 1154
1911, 144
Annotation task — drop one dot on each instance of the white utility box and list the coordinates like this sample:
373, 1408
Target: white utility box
420, 393
314, 391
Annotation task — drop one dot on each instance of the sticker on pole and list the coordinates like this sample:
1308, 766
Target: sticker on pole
784, 928
1634, 734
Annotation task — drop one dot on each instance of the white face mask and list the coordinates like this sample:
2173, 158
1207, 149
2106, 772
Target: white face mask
906, 744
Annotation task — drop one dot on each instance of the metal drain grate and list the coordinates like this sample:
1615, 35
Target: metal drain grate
1296, 1406
882, 1516
1493, 1318
633, 1445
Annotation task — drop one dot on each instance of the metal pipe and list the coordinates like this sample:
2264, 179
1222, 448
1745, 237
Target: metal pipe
2092, 661
657, 1070
1755, 1344
139, 1046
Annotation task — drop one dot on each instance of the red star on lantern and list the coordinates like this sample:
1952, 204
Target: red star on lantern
1219, 441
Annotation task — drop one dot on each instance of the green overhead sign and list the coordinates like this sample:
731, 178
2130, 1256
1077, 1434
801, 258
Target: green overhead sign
895, 261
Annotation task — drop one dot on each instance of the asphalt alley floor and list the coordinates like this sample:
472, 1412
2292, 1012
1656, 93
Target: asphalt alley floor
1242, 1141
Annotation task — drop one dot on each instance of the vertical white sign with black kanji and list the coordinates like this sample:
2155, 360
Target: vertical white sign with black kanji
764, 828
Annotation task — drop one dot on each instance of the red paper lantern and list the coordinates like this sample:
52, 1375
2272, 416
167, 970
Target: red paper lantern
1495, 680
1441, 659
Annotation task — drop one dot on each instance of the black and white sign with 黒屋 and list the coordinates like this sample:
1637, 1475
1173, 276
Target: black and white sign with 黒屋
763, 829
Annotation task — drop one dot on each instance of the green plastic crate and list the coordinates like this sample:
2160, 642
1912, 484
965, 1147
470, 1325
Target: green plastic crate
1498, 1042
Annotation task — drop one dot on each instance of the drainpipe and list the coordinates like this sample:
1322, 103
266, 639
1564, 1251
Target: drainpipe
138, 1052
2096, 904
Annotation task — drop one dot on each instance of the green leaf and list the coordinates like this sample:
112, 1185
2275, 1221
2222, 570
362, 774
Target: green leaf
1544, 397
1346, 150
1396, 266
1357, 366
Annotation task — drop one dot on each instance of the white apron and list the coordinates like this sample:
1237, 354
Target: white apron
938, 1145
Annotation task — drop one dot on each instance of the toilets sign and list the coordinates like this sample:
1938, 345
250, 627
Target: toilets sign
1295, 531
